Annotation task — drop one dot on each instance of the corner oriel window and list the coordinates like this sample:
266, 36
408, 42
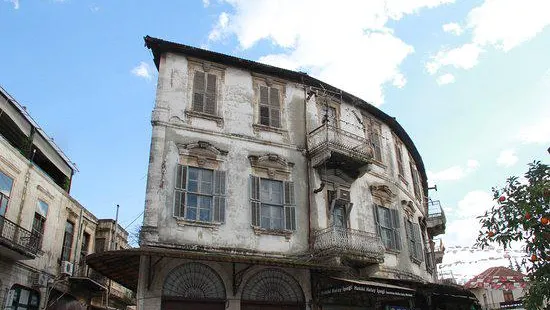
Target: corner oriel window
272, 203
200, 194
387, 222
204, 92
5, 189
270, 106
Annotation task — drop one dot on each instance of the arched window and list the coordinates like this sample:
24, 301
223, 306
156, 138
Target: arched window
272, 286
194, 281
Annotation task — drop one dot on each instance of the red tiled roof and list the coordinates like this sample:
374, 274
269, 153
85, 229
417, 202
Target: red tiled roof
498, 278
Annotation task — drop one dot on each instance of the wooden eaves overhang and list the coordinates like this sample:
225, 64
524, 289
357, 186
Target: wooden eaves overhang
122, 266
159, 47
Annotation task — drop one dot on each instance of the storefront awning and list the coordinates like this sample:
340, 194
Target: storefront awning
376, 288
122, 266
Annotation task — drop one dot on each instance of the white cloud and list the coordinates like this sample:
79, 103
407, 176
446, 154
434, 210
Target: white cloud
507, 158
445, 79
143, 70
14, 2
453, 28
500, 24
453, 173
220, 27
463, 57
506, 24
345, 43
538, 132
206, 3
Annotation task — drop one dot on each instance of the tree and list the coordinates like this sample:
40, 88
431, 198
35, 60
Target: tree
521, 214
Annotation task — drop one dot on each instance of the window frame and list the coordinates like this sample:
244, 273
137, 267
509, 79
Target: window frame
67, 244
415, 179
373, 133
206, 94
287, 207
395, 242
400, 159
5, 197
217, 194
414, 241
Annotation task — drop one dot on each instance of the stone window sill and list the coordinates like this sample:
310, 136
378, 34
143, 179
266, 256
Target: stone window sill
183, 222
211, 117
279, 232
259, 127
392, 251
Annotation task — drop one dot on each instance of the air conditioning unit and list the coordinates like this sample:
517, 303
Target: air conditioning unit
67, 268
40, 279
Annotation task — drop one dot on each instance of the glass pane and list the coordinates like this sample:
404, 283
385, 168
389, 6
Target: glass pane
277, 192
191, 213
193, 173
276, 217
205, 215
266, 217
193, 186
5, 184
3, 206
191, 200
42, 208
206, 181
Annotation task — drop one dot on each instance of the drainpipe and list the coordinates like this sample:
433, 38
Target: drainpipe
308, 171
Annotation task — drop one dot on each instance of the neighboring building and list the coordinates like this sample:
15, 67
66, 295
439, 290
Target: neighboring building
499, 288
45, 234
269, 189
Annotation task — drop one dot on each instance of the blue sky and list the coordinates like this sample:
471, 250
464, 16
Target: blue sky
469, 81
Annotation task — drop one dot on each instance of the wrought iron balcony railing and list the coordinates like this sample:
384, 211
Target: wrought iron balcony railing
436, 218
342, 241
18, 238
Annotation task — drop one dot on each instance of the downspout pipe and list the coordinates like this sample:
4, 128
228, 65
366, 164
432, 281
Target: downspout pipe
308, 170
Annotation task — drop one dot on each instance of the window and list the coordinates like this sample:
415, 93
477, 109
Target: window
200, 194
508, 296
374, 134
204, 92
339, 216
67, 241
270, 107
5, 189
99, 245
39, 222
415, 179
273, 205
330, 115
84, 246
340, 206
414, 237
23, 298
387, 222
399, 155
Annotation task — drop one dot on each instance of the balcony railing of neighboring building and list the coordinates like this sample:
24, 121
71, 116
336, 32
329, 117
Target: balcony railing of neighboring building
355, 245
436, 218
337, 148
18, 239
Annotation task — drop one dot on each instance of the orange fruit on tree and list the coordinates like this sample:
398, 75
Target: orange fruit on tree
501, 198
490, 234
544, 220
533, 258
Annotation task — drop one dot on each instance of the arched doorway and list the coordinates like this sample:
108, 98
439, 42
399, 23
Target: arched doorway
193, 286
272, 289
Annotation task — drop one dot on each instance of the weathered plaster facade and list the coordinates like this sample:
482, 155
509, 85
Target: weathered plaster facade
233, 138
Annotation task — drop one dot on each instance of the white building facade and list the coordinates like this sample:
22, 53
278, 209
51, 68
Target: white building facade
269, 189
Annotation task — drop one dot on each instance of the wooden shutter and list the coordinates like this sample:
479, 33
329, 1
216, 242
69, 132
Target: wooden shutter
264, 106
255, 204
210, 105
409, 237
275, 107
198, 91
290, 206
396, 228
418, 241
219, 196
179, 191
376, 220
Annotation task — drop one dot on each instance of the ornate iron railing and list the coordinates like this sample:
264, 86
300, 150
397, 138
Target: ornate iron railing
18, 237
348, 241
331, 136
435, 209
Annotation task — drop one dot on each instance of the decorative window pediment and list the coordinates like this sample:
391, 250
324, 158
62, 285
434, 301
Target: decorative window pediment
383, 192
408, 206
272, 165
201, 154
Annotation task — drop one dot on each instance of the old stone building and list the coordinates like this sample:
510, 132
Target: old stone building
45, 234
269, 189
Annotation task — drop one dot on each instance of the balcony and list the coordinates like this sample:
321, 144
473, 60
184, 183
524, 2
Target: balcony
339, 149
19, 243
436, 218
354, 247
